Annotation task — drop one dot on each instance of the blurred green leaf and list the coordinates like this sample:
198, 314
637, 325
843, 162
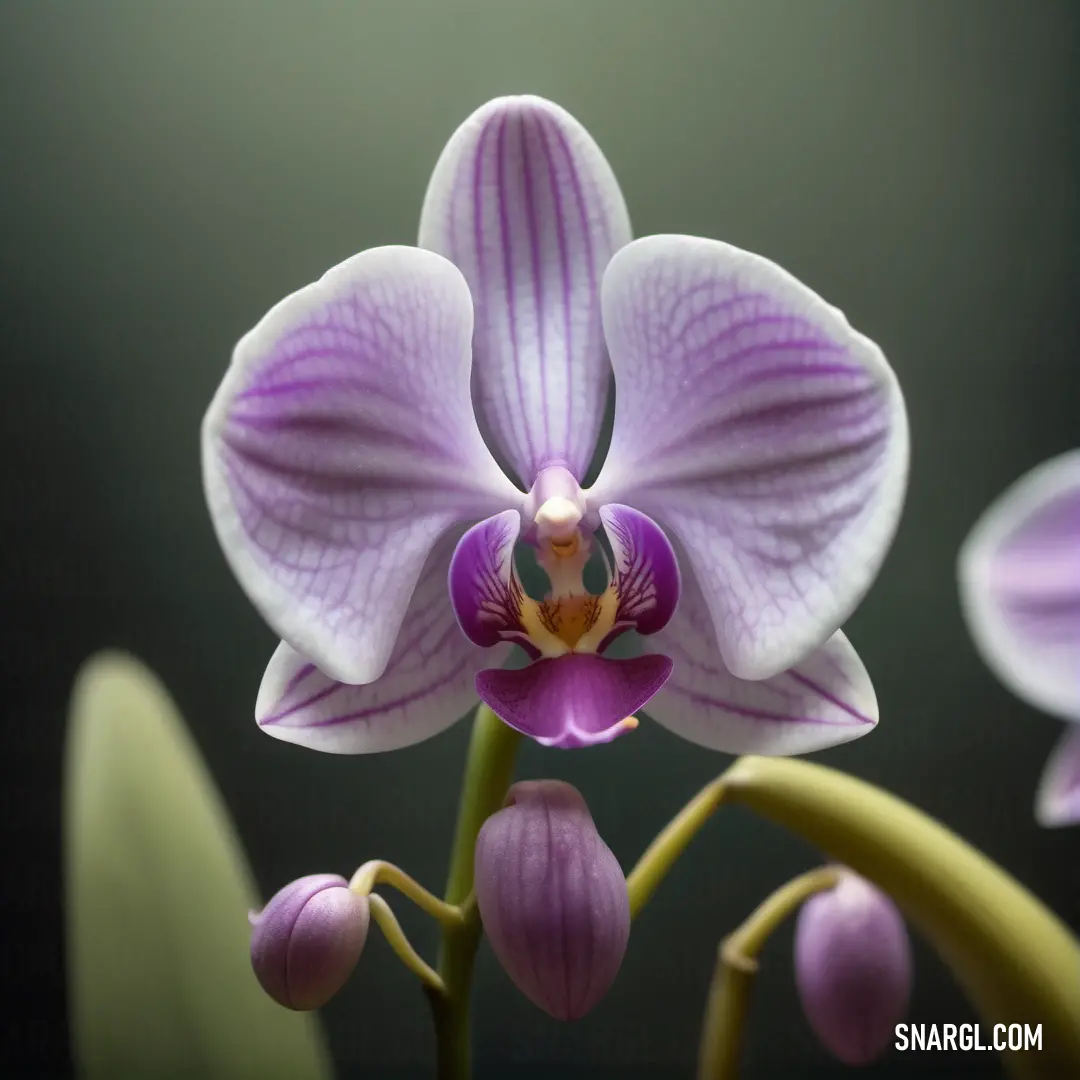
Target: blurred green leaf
158, 891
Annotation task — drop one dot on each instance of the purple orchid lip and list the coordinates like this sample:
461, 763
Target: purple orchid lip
755, 430
574, 700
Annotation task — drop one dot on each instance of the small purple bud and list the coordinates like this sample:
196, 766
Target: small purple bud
552, 898
853, 968
307, 940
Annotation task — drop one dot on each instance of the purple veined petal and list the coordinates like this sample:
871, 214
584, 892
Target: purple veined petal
1058, 799
646, 572
484, 589
575, 700
759, 429
825, 700
341, 444
1019, 573
427, 686
525, 203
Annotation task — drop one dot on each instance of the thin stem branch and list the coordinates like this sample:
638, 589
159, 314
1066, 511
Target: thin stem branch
662, 853
377, 872
391, 929
736, 966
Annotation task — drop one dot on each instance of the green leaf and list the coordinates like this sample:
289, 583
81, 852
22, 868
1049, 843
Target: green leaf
158, 890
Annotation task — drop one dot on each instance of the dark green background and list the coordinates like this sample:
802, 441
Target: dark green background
170, 171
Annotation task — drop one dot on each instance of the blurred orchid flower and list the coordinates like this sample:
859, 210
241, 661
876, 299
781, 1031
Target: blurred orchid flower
343, 460
1019, 573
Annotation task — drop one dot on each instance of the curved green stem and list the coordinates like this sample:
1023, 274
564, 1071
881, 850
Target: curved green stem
391, 928
736, 966
377, 872
661, 854
489, 768
1017, 962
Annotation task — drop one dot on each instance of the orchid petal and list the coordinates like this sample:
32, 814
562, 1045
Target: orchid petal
646, 572
1058, 798
341, 445
524, 202
484, 590
1019, 573
762, 431
427, 686
825, 700
575, 700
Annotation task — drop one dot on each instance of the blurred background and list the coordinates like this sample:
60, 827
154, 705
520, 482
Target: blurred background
170, 171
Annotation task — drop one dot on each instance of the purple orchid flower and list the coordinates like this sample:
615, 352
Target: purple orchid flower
1019, 572
343, 461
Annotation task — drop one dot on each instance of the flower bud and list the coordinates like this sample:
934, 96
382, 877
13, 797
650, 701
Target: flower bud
307, 940
552, 897
853, 968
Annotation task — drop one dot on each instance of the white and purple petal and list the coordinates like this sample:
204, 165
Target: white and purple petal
762, 431
1058, 799
579, 699
1019, 573
427, 686
646, 572
525, 203
484, 590
341, 444
825, 700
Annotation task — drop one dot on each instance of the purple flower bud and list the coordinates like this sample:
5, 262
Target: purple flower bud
307, 940
853, 968
552, 898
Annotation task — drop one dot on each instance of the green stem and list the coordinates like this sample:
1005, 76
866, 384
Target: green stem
382, 913
378, 872
489, 769
661, 854
736, 966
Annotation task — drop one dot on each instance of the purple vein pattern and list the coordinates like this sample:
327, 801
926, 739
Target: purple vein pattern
525, 204
825, 700
759, 429
484, 590
646, 573
428, 684
553, 898
341, 445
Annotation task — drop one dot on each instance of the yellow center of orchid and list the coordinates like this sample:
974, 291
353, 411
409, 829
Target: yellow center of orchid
569, 618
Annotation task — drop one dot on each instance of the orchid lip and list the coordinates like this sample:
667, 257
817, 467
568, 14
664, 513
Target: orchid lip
575, 700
